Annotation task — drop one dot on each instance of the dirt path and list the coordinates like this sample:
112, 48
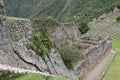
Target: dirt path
96, 71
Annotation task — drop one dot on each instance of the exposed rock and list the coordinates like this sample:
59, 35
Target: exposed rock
94, 20
5, 35
103, 16
53, 63
59, 66
14, 60
29, 56
115, 10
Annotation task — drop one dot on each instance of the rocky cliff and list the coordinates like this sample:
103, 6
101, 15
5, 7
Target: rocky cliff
5, 38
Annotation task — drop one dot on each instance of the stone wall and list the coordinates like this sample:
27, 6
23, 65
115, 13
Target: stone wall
5, 37
20, 29
92, 55
65, 32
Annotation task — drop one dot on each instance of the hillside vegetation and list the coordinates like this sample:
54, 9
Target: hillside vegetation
64, 10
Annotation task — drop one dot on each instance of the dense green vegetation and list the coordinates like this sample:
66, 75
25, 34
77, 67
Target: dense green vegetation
70, 53
64, 10
113, 72
41, 42
30, 76
83, 27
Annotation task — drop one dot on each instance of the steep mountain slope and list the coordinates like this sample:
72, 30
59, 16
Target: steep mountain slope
64, 10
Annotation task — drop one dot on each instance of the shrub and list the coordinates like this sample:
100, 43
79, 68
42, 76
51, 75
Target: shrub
70, 54
83, 27
118, 19
39, 45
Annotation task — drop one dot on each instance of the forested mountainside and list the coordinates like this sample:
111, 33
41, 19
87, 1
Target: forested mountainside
64, 10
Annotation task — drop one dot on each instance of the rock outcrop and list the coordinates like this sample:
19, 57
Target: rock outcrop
52, 63
5, 37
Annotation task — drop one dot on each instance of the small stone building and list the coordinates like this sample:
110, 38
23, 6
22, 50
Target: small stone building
65, 32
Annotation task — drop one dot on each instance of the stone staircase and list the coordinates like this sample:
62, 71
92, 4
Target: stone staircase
21, 71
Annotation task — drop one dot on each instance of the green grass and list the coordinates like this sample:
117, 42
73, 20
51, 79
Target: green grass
116, 44
31, 76
57, 78
113, 73
14, 18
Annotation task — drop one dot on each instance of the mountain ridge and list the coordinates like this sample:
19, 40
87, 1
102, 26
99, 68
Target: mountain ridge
63, 10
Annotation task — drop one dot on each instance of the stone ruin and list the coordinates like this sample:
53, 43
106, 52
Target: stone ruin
65, 32
20, 29
96, 48
90, 57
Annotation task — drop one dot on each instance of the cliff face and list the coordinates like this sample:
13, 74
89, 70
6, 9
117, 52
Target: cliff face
5, 37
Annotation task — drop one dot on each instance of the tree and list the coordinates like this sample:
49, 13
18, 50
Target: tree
83, 27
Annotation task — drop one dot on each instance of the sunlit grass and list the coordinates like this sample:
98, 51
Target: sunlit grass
14, 18
113, 72
31, 76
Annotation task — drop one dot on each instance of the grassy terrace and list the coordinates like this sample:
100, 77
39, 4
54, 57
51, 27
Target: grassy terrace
113, 72
31, 76
15, 18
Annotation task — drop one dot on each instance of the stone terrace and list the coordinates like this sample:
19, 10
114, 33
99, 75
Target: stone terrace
98, 47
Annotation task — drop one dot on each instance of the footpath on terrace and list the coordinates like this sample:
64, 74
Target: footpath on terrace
95, 73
